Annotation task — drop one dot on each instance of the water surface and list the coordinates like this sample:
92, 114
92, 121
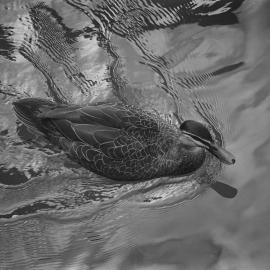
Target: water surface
201, 60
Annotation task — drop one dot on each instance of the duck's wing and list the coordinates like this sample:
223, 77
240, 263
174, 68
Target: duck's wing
108, 151
116, 130
109, 115
112, 142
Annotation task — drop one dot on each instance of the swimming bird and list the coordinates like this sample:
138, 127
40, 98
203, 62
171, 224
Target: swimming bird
124, 142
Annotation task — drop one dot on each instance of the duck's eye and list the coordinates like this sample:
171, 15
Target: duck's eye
196, 128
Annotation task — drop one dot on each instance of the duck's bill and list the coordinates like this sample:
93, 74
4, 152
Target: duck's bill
224, 190
222, 154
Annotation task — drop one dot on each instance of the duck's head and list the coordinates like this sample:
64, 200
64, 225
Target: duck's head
196, 134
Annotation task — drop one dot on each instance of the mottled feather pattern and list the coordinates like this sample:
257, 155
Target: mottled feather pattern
118, 141
130, 142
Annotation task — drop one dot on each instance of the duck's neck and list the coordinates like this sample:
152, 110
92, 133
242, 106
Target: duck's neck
189, 159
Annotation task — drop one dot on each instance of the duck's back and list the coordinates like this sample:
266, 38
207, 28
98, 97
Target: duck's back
117, 141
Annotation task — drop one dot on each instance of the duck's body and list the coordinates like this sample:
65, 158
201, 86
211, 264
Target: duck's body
117, 141
123, 142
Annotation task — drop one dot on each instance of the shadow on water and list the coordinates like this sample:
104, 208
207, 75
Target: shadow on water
193, 59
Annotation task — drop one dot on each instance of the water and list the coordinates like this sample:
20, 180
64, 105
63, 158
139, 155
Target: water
202, 60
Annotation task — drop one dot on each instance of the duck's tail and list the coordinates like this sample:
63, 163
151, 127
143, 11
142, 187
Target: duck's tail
28, 109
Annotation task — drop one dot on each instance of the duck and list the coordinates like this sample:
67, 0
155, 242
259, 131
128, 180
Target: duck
124, 142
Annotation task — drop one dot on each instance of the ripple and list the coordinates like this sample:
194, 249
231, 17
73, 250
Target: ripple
171, 57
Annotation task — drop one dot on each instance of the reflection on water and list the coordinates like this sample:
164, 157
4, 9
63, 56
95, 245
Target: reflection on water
202, 60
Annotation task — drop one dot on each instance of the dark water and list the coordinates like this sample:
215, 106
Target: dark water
206, 60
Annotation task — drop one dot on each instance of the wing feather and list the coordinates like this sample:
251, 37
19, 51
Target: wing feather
107, 115
95, 134
116, 131
117, 116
